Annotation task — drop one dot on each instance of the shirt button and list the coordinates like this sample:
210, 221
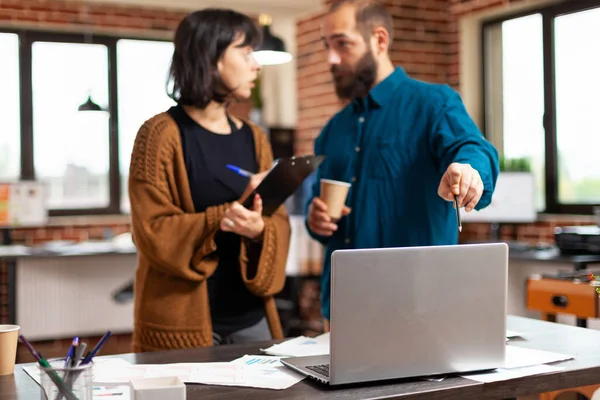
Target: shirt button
347, 240
357, 149
361, 119
353, 179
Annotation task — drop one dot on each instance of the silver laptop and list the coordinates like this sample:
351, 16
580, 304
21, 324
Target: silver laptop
411, 312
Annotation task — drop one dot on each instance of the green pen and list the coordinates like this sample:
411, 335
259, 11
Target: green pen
56, 379
64, 390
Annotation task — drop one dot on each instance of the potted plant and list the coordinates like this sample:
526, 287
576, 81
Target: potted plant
516, 180
513, 200
515, 164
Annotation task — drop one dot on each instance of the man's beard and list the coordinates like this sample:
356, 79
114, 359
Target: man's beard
351, 85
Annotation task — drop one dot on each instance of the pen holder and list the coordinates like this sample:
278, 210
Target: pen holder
71, 383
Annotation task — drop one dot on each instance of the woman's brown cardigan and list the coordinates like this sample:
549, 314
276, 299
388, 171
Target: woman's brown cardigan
176, 246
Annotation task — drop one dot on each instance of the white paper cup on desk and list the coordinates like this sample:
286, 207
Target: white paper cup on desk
9, 337
334, 193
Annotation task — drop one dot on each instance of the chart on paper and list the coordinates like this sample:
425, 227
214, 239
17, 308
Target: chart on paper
261, 360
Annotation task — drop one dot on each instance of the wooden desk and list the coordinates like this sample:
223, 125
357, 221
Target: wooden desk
583, 344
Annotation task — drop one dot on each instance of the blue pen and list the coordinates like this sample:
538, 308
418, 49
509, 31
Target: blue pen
71, 351
95, 350
240, 171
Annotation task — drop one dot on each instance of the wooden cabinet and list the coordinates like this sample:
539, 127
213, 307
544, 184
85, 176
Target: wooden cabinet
554, 296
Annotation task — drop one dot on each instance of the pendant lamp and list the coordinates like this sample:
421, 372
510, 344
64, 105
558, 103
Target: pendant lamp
272, 50
89, 104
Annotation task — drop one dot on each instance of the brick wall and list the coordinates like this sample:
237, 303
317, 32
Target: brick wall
3, 293
60, 14
462, 7
78, 233
316, 99
538, 232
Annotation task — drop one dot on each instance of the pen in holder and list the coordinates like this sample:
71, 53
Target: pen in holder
71, 383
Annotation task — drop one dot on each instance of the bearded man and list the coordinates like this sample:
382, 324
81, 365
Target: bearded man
407, 147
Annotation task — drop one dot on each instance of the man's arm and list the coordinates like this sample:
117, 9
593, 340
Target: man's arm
454, 138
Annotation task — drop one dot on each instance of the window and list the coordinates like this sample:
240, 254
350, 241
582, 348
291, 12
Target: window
514, 118
83, 158
142, 71
577, 84
540, 81
70, 148
10, 137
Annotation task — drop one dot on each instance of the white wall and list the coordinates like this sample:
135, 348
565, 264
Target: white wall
278, 82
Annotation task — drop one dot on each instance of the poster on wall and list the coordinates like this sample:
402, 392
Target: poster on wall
22, 204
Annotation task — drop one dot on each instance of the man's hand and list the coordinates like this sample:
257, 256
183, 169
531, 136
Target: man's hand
244, 222
319, 221
465, 182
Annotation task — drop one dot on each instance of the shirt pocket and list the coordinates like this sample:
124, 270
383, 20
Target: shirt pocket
390, 158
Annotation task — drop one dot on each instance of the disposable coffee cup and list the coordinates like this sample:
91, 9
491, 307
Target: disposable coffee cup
9, 336
334, 193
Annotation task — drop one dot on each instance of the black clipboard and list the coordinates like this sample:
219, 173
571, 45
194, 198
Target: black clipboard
283, 180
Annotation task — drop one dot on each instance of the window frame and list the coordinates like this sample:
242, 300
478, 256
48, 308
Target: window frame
27, 166
548, 14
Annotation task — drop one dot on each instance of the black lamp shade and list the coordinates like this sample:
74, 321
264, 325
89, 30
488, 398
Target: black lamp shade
270, 42
89, 105
272, 50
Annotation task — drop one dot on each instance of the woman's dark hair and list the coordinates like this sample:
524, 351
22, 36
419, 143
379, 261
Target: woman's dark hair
200, 41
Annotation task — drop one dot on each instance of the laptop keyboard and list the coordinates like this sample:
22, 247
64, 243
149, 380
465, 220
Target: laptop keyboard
322, 369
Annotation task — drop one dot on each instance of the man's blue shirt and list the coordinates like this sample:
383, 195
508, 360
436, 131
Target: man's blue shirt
394, 147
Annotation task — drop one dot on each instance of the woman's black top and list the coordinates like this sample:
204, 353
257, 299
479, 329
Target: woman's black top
206, 156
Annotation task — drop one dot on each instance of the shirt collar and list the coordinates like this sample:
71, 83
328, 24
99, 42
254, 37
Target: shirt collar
381, 94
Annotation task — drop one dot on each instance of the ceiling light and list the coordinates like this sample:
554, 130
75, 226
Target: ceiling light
89, 105
272, 49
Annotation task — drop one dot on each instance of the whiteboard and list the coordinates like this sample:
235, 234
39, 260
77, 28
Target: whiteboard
513, 201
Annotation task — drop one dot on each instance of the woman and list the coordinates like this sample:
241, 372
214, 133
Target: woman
208, 267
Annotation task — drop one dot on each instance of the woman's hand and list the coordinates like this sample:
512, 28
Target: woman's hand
249, 223
255, 180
